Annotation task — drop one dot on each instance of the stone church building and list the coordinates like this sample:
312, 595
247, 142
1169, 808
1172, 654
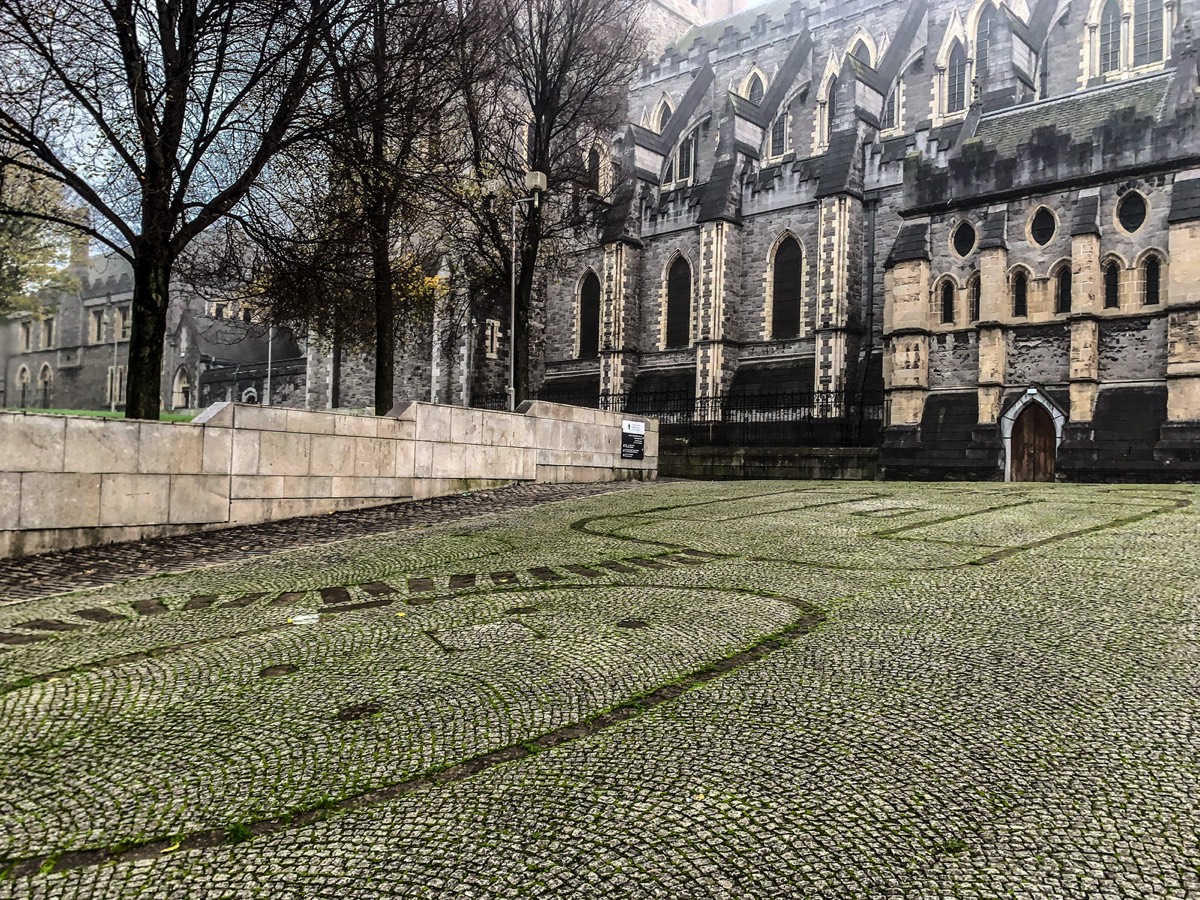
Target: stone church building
989, 212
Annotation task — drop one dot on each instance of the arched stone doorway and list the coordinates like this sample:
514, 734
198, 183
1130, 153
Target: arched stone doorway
1033, 445
1032, 430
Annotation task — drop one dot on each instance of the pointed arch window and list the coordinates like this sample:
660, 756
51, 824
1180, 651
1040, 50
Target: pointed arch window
593, 170
589, 317
956, 79
830, 108
687, 158
1110, 37
787, 278
1062, 290
664, 116
679, 303
1151, 281
974, 296
1020, 295
756, 89
947, 302
983, 41
1112, 285
889, 110
779, 136
1147, 32
861, 52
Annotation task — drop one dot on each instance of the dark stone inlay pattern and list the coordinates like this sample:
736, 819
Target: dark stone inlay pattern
619, 567
584, 571
102, 616
505, 578
545, 573
49, 625
332, 595
200, 601
278, 671
359, 711
151, 606
243, 601
287, 598
377, 588
462, 581
420, 585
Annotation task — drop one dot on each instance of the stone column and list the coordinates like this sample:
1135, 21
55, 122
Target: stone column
993, 343
619, 318
1086, 293
1179, 439
906, 336
718, 255
836, 291
1183, 324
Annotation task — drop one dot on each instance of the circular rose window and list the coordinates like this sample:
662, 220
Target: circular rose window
1131, 211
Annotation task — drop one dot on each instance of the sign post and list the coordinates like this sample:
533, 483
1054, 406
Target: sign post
633, 439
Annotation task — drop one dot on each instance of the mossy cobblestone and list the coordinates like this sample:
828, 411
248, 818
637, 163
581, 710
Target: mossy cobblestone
851, 690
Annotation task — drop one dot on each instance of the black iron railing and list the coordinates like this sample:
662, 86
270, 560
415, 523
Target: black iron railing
800, 418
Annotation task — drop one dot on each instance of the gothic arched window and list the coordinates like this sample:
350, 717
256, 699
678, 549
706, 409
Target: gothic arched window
983, 41
1151, 281
779, 135
679, 303
1020, 295
1062, 290
947, 297
861, 52
1112, 285
974, 296
831, 108
664, 116
1110, 37
589, 317
787, 276
1147, 32
956, 79
593, 169
755, 90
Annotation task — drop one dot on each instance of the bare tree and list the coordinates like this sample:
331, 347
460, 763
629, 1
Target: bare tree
160, 115
544, 92
351, 227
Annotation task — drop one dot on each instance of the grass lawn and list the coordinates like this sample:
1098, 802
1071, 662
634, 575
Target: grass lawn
105, 414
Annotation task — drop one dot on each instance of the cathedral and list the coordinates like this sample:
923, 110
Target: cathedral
987, 213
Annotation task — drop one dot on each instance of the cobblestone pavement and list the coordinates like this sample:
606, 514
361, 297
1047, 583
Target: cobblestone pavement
683, 690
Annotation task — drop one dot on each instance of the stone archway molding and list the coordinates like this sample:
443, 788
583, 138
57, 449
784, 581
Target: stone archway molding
1033, 394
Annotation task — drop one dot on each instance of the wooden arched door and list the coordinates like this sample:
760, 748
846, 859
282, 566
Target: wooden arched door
1033, 445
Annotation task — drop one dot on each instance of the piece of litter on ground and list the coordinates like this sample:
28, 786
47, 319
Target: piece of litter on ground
305, 619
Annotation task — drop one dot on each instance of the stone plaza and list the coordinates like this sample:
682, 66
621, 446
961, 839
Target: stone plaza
785, 689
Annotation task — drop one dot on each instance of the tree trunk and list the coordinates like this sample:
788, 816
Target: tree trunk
151, 296
385, 316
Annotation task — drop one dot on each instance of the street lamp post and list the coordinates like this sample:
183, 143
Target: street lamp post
535, 183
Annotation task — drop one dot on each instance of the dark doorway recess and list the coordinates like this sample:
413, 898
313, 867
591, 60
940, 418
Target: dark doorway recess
1033, 445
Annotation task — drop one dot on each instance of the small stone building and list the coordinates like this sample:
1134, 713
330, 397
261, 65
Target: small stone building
983, 210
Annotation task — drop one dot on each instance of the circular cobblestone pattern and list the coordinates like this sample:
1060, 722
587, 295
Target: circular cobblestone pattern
678, 690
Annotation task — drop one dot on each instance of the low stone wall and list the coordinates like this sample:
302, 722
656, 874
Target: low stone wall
804, 463
70, 481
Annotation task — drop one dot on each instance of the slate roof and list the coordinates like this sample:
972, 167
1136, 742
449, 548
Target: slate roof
911, 243
716, 193
233, 342
1185, 202
839, 160
1087, 216
994, 229
1077, 114
740, 22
